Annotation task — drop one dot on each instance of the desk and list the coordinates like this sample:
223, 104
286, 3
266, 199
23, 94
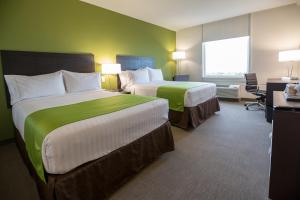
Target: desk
274, 84
285, 150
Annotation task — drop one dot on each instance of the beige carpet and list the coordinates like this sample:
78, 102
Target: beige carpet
225, 158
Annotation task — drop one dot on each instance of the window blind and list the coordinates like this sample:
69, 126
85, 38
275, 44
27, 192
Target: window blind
225, 29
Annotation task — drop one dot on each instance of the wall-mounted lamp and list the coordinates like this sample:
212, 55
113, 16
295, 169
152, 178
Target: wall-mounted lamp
289, 56
178, 56
109, 70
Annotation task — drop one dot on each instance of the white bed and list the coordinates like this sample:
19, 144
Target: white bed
193, 96
74, 144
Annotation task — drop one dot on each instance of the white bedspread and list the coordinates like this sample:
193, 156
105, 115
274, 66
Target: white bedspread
69, 146
193, 96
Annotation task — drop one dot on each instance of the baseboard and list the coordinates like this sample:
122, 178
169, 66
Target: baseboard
7, 141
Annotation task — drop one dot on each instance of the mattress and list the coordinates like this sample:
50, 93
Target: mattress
193, 96
74, 144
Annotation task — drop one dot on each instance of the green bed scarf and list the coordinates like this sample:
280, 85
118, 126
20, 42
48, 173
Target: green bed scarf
175, 94
40, 123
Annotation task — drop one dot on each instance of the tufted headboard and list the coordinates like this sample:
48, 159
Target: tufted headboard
135, 62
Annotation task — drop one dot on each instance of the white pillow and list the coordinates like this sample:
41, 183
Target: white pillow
139, 76
124, 79
155, 74
77, 82
27, 87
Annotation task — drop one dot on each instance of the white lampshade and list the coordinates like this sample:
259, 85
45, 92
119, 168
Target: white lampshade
111, 68
178, 55
291, 55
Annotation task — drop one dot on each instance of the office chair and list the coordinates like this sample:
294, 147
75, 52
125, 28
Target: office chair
252, 87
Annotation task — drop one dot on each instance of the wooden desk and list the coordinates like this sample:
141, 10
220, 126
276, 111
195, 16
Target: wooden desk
274, 84
285, 150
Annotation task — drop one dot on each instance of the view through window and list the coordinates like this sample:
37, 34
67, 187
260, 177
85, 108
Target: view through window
227, 58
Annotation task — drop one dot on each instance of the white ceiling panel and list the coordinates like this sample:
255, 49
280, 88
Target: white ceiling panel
179, 14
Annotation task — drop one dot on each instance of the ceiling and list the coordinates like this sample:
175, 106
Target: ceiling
180, 14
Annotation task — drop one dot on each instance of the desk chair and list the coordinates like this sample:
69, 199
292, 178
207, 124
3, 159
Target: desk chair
252, 87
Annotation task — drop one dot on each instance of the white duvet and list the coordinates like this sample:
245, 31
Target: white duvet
69, 146
193, 96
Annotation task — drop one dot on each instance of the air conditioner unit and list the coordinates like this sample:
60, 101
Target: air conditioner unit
228, 91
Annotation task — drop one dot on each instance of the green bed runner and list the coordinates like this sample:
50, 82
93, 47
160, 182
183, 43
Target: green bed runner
175, 94
42, 122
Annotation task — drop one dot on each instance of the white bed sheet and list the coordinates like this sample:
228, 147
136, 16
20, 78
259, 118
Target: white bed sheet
193, 96
69, 146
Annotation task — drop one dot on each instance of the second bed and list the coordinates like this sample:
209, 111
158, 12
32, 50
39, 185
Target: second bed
199, 100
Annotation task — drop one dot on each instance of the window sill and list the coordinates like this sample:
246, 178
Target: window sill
224, 77
224, 80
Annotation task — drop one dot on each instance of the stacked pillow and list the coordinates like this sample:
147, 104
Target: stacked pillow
53, 84
78, 82
61, 82
140, 76
155, 74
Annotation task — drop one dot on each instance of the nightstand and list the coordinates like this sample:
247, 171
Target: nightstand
124, 92
181, 77
112, 90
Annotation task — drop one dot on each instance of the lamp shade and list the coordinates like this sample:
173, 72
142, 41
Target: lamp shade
291, 55
178, 55
111, 68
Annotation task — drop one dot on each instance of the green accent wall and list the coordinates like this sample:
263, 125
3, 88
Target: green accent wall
74, 26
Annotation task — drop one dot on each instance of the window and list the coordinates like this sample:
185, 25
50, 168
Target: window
227, 58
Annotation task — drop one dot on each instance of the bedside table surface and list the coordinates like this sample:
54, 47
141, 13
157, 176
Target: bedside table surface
181, 77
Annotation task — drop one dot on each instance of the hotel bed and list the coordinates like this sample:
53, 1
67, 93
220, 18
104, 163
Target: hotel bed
90, 158
192, 97
200, 102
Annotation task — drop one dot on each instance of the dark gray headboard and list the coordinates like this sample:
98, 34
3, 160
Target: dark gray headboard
135, 62
36, 63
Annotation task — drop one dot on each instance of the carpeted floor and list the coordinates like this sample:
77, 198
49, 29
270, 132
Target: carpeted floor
225, 158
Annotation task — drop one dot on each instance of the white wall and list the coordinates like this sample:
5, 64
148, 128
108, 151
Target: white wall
270, 31
190, 40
